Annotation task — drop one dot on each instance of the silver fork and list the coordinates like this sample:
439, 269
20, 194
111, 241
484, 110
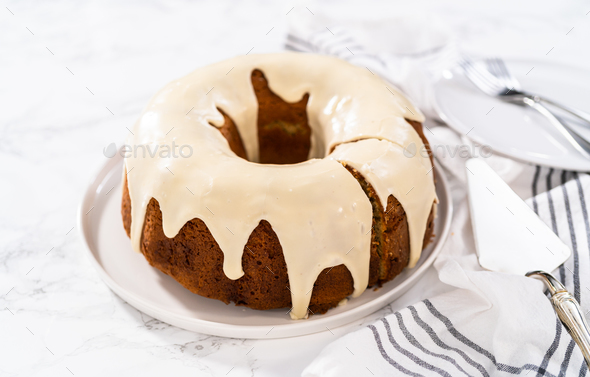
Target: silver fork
498, 68
505, 89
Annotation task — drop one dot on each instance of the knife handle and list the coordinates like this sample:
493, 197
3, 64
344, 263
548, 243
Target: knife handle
577, 113
574, 138
569, 312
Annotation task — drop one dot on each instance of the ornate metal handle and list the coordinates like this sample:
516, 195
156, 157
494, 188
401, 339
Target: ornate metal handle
569, 312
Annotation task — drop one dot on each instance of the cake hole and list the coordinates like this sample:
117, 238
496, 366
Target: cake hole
284, 134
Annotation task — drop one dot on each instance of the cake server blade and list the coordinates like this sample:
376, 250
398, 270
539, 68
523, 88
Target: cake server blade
511, 238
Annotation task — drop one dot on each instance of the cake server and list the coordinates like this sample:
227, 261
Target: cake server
526, 246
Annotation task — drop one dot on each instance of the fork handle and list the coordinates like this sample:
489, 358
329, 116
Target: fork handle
569, 312
581, 115
577, 141
577, 113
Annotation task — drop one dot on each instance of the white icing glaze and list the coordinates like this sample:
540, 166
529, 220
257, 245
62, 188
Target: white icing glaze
302, 202
391, 172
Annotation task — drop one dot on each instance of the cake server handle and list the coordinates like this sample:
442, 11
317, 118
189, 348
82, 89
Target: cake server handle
569, 312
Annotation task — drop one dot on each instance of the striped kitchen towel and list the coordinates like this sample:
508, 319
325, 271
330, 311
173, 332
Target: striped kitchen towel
486, 323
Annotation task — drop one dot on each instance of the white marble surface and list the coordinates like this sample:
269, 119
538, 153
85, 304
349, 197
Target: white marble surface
75, 75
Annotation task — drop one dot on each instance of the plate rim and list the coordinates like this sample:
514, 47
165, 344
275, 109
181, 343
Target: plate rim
506, 153
297, 328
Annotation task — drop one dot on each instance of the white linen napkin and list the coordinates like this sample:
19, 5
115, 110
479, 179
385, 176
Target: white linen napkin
486, 323
409, 63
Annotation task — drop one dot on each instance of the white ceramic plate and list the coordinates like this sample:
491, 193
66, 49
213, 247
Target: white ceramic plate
516, 131
130, 276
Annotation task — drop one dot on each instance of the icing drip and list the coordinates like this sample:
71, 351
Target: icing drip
391, 172
318, 210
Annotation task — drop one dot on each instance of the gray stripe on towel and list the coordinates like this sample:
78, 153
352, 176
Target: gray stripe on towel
409, 354
499, 366
387, 357
442, 344
415, 343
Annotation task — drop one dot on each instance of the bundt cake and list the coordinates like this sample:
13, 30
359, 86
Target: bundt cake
296, 192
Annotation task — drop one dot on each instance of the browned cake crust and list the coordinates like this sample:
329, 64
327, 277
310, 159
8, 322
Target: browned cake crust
195, 260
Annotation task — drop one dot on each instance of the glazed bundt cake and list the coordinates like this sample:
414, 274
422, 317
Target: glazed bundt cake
296, 192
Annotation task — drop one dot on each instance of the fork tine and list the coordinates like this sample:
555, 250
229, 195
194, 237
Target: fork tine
485, 76
495, 69
498, 68
473, 77
514, 84
481, 78
502, 73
